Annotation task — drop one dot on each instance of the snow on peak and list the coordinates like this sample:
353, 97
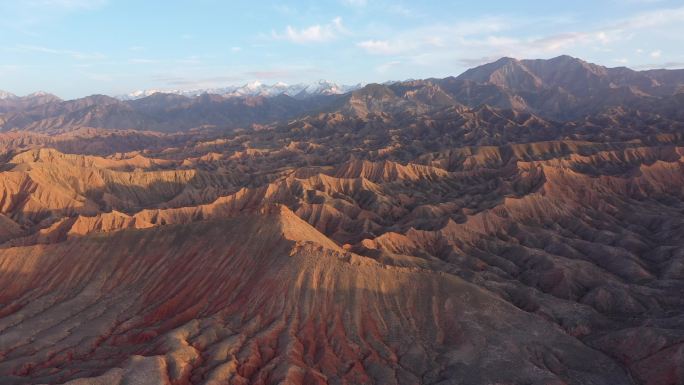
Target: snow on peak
325, 87
253, 85
138, 94
256, 88
4, 95
38, 94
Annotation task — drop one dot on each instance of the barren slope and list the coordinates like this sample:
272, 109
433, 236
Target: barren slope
401, 237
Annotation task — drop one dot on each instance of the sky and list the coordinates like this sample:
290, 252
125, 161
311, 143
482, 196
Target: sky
74, 48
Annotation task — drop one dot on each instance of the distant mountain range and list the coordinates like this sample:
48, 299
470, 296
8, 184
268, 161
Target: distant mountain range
256, 88
12, 103
562, 89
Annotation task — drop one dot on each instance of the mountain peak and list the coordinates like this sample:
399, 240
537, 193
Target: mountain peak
565, 58
4, 95
37, 94
7, 95
255, 88
506, 60
506, 73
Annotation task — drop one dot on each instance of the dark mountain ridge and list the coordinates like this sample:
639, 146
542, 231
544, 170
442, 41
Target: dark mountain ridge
563, 89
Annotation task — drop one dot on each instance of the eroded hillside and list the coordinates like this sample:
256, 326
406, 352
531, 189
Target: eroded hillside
402, 237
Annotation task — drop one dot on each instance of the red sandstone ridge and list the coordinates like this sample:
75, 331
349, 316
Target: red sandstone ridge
402, 234
248, 300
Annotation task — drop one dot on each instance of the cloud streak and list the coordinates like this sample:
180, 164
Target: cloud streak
79, 55
317, 33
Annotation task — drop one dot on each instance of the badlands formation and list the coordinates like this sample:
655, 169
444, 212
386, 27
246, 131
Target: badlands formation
502, 227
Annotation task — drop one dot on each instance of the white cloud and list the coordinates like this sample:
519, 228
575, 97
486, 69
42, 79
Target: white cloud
236, 49
656, 54
560, 42
610, 33
438, 36
313, 34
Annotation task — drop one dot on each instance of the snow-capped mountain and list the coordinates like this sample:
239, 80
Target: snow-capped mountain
6, 95
39, 94
256, 88
138, 94
324, 87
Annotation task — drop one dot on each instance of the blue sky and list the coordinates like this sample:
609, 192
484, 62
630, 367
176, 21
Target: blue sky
75, 48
